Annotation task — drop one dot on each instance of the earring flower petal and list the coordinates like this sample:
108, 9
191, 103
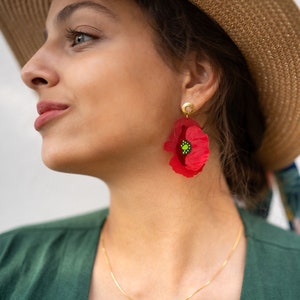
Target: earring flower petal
189, 145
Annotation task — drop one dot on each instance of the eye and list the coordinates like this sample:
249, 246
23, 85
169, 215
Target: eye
78, 37
81, 38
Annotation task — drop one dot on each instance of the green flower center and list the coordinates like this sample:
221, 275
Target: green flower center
186, 147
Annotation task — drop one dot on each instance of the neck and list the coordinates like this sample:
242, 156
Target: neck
171, 236
165, 213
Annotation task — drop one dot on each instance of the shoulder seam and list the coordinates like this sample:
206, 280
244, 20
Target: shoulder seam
295, 248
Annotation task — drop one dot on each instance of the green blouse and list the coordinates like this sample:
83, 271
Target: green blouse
55, 260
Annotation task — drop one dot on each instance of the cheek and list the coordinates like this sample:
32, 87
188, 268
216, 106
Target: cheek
118, 86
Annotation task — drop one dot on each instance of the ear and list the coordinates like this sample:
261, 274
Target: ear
201, 81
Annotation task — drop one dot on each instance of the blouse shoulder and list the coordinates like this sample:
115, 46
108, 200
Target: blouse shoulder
33, 256
25, 237
258, 229
272, 261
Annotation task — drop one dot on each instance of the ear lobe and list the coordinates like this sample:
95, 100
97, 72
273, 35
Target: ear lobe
201, 81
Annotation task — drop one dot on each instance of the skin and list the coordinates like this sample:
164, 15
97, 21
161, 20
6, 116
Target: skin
166, 234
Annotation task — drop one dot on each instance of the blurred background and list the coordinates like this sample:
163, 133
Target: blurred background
29, 192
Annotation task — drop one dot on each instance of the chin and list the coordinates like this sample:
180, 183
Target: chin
57, 162
57, 159
71, 162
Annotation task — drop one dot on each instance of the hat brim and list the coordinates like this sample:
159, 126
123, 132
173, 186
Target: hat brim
267, 32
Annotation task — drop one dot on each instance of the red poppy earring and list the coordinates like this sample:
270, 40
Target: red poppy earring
188, 143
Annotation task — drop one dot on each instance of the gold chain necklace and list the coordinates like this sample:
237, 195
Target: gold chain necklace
204, 285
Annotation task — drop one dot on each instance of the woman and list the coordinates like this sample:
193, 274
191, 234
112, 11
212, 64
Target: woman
156, 99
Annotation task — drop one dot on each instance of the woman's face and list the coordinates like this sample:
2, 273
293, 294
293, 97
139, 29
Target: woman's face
106, 97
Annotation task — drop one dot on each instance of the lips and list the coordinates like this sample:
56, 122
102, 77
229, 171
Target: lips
48, 111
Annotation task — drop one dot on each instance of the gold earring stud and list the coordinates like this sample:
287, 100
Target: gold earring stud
187, 108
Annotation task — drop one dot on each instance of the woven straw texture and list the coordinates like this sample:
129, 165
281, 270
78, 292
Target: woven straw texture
266, 31
268, 34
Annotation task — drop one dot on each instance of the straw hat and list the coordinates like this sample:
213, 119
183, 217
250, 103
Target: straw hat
266, 31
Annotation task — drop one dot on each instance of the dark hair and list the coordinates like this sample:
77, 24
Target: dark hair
234, 112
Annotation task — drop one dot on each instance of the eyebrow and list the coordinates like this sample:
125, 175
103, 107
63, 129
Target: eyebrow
66, 12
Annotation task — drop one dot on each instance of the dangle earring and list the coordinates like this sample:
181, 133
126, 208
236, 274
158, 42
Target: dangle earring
188, 143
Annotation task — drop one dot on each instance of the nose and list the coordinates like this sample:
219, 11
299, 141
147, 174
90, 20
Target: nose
40, 71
